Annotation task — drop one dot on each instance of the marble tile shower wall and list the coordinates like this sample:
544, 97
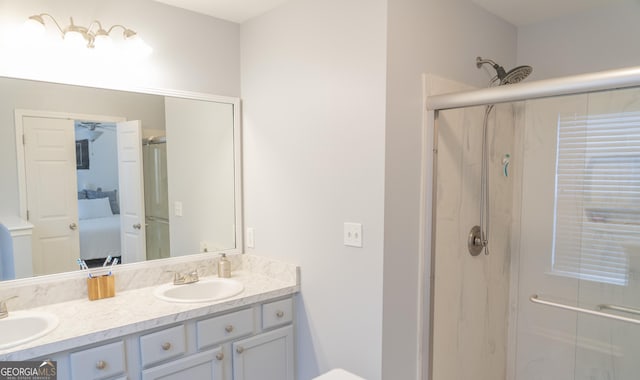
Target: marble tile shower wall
471, 293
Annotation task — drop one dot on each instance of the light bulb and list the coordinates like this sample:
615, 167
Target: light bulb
33, 30
73, 38
33, 27
103, 42
136, 46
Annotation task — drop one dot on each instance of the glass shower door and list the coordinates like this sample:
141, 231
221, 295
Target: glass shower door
156, 200
606, 348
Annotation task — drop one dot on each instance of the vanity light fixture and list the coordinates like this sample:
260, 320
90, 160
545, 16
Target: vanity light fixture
92, 36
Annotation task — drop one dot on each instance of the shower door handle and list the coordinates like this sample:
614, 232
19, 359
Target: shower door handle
536, 299
624, 309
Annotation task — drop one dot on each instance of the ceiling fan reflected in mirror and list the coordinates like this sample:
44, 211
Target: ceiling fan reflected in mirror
92, 130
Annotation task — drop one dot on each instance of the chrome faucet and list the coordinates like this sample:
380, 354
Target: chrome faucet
185, 278
3, 307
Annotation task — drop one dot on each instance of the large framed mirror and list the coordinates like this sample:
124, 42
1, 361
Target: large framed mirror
94, 173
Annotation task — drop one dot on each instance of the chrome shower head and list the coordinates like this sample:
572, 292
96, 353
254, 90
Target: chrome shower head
516, 75
513, 76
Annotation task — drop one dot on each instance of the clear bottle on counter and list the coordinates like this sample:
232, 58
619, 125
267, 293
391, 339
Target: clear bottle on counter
224, 267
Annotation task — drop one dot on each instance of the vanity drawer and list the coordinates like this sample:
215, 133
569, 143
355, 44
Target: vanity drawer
99, 362
277, 313
162, 345
219, 329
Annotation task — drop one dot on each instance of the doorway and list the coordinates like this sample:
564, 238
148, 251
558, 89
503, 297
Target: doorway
67, 205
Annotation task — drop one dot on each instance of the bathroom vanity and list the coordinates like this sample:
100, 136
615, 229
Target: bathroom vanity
135, 335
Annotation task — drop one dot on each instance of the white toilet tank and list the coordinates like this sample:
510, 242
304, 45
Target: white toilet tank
339, 374
7, 267
15, 248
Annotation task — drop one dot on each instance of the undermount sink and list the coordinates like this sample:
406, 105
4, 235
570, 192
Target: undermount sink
24, 326
207, 290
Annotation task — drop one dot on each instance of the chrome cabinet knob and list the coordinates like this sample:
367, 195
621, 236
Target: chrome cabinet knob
166, 346
73, 226
219, 356
229, 328
137, 226
239, 349
280, 314
101, 364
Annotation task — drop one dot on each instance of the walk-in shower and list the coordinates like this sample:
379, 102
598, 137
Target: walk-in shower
557, 298
156, 196
478, 238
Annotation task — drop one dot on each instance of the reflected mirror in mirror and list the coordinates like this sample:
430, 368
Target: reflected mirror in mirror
93, 173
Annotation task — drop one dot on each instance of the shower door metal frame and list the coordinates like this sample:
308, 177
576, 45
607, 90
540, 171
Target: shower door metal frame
570, 85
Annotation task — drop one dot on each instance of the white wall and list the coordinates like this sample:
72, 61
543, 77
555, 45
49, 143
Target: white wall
301, 66
442, 37
313, 89
190, 51
599, 39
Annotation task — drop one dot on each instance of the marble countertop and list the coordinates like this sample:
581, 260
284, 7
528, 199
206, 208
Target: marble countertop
84, 322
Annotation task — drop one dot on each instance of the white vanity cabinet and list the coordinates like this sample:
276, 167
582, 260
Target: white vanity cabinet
252, 343
102, 362
206, 365
267, 356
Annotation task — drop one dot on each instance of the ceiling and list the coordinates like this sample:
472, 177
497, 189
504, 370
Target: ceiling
231, 10
525, 12
517, 12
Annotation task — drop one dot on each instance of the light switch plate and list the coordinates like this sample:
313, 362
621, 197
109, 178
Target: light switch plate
353, 235
177, 208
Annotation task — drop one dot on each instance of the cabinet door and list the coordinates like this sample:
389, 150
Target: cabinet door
203, 366
100, 362
268, 356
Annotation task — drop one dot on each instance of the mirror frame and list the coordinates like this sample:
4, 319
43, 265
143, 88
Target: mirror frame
190, 257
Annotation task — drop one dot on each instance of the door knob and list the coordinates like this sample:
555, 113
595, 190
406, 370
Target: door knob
137, 226
73, 226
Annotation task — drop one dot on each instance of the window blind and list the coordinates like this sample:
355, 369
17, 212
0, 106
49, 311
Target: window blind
597, 202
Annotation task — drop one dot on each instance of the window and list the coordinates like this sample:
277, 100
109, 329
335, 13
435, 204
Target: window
82, 154
597, 209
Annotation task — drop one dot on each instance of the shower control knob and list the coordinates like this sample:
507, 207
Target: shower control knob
475, 244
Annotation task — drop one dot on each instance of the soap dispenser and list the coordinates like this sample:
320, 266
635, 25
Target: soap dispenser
224, 267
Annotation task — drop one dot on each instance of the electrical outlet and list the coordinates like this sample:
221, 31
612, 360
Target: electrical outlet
250, 239
204, 246
353, 235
